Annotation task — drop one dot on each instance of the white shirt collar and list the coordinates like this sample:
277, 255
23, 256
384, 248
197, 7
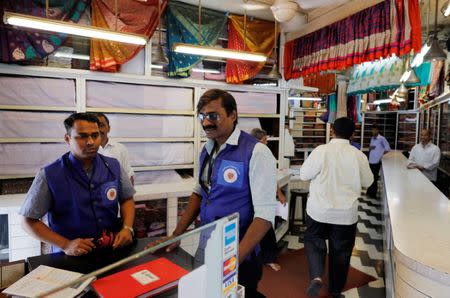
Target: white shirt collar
340, 141
110, 143
233, 140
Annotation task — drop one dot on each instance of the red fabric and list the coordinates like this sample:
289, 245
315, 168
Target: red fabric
416, 25
288, 59
238, 71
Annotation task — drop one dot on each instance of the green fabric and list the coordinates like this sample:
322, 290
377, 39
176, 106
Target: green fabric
183, 27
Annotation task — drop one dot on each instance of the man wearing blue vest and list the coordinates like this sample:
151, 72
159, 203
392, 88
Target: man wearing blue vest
237, 174
80, 193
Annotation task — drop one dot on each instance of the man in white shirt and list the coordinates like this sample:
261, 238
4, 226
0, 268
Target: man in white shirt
337, 172
111, 148
425, 156
378, 147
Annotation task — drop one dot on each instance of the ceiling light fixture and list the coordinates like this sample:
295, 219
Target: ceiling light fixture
390, 100
27, 21
202, 70
209, 51
71, 56
274, 73
304, 98
446, 9
409, 76
435, 52
217, 52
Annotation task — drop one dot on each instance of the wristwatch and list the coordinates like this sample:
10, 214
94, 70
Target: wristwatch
129, 229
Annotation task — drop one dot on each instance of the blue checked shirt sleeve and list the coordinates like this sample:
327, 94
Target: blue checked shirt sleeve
263, 182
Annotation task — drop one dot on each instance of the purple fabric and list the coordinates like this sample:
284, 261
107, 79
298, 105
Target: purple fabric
21, 45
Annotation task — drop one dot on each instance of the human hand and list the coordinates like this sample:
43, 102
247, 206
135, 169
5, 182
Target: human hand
169, 248
79, 246
122, 238
411, 166
282, 199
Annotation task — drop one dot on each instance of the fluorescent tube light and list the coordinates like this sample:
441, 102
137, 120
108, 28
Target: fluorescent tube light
27, 21
206, 70
217, 52
304, 98
381, 101
71, 56
203, 70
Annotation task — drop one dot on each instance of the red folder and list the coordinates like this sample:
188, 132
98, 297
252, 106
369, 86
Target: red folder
150, 279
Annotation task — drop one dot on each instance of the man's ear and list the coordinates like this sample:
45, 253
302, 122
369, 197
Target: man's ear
67, 139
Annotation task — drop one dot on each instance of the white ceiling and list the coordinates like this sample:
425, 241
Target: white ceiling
259, 9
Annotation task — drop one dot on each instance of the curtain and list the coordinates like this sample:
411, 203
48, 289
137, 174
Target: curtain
386, 28
324, 82
259, 38
183, 27
139, 17
21, 45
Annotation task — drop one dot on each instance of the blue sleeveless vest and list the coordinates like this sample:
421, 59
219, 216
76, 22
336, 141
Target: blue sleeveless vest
83, 207
230, 186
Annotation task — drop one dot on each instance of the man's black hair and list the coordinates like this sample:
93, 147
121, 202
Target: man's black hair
344, 127
99, 114
89, 117
228, 101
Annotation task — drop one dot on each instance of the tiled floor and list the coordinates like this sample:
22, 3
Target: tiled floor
368, 251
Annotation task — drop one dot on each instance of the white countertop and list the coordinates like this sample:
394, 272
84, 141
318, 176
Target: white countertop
420, 219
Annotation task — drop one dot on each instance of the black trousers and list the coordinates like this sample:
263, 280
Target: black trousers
373, 188
250, 273
341, 239
268, 245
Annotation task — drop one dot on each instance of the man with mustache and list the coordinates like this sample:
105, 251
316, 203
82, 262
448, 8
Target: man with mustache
237, 174
80, 193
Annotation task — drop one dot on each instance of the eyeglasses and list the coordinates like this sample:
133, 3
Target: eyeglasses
213, 117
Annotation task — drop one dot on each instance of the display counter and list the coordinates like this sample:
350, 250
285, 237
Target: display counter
416, 237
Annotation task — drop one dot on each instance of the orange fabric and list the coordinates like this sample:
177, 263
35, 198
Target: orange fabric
259, 39
416, 25
324, 82
134, 17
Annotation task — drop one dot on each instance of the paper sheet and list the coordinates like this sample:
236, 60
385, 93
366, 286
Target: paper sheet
282, 210
44, 278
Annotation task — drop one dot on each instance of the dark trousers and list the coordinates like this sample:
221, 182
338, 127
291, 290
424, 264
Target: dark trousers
373, 188
341, 239
268, 245
250, 273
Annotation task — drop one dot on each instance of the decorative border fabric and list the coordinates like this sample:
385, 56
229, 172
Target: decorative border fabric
257, 37
390, 27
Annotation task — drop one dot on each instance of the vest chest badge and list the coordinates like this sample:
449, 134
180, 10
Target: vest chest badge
231, 173
111, 193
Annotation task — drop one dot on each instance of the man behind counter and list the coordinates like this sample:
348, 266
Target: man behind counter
425, 156
80, 193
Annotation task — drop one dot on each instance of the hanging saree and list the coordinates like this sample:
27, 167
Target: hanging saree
18, 45
257, 37
183, 27
139, 17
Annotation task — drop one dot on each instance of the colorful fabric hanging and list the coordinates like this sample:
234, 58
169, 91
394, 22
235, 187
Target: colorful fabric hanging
257, 37
139, 17
354, 40
183, 27
18, 45
326, 83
